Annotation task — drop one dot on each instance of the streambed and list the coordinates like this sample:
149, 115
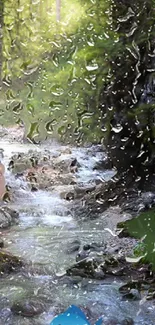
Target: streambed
45, 227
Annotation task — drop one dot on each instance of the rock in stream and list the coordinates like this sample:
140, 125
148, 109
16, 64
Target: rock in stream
9, 263
8, 217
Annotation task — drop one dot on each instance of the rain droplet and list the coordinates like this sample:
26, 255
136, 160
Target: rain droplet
103, 129
17, 107
7, 81
20, 9
118, 128
141, 154
91, 42
49, 127
62, 130
2, 112
30, 70
55, 60
30, 109
33, 131
9, 94
92, 67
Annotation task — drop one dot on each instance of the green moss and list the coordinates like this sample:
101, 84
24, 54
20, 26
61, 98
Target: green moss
143, 228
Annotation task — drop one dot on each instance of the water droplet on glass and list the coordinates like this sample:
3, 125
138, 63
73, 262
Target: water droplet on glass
33, 130
20, 9
92, 67
91, 42
118, 128
17, 107
10, 95
103, 128
30, 109
62, 130
49, 127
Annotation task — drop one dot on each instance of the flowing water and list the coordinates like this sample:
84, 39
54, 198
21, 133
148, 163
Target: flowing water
45, 226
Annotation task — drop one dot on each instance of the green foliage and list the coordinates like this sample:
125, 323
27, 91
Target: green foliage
72, 74
139, 249
143, 227
61, 67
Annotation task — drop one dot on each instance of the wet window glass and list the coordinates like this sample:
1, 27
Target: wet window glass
77, 162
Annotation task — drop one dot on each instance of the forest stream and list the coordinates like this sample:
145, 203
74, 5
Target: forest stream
48, 236
77, 221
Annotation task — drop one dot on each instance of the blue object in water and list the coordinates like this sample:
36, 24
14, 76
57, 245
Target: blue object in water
72, 316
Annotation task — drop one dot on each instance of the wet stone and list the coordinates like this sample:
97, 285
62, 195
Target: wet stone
80, 191
115, 321
124, 233
7, 217
113, 250
82, 255
127, 321
9, 263
66, 151
27, 308
83, 268
142, 203
73, 246
70, 281
117, 271
111, 321
151, 292
91, 250
104, 164
1, 153
94, 246
130, 285
5, 314
99, 274
1, 243
133, 294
